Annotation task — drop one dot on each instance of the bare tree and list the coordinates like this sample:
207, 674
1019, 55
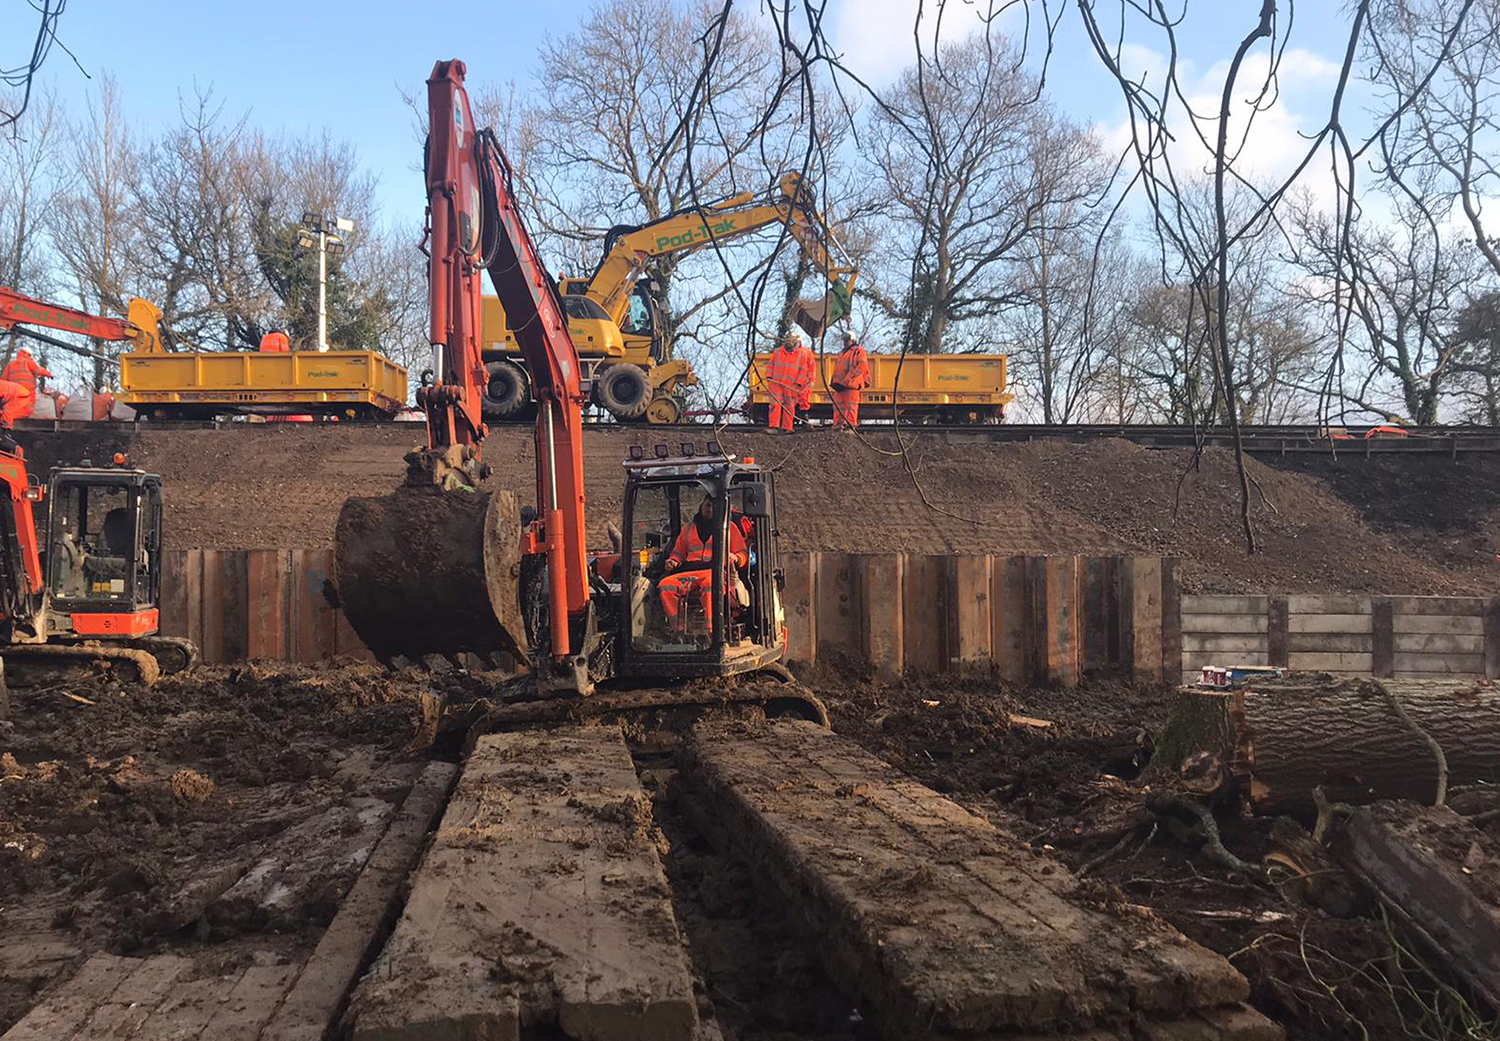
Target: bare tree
1056, 266
952, 143
93, 229
192, 214
28, 169
597, 140
1405, 284
1436, 64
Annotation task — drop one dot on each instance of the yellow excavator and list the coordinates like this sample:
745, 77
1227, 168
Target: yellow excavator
616, 325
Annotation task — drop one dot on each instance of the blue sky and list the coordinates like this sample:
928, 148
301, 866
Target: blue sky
312, 64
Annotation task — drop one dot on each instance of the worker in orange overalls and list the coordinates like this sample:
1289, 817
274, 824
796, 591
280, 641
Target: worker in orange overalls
16, 402
851, 374
789, 379
23, 370
689, 564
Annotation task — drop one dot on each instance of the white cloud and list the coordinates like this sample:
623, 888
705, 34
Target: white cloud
876, 36
1142, 64
1276, 140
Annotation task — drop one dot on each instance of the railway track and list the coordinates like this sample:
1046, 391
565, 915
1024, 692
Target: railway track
1355, 441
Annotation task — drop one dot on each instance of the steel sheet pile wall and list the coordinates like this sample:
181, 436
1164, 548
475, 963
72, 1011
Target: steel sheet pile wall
1389, 636
256, 603
1026, 619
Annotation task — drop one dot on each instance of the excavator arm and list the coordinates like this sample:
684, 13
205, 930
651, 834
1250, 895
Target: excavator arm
141, 327
436, 569
627, 248
475, 222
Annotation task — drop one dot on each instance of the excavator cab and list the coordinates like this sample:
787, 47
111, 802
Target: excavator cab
698, 579
103, 552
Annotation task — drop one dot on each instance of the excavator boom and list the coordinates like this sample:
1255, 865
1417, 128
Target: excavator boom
790, 202
406, 553
140, 327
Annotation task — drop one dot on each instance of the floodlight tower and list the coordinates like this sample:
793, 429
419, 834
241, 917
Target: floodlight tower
326, 235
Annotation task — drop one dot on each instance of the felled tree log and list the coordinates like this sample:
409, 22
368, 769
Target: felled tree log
1283, 738
1438, 873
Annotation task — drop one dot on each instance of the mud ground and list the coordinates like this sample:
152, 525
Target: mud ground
114, 800
1079, 784
1407, 524
110, 806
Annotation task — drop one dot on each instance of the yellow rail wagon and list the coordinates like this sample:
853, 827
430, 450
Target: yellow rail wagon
935, 388
203, 384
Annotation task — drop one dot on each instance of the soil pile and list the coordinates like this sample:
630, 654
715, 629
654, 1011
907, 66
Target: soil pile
1407, 524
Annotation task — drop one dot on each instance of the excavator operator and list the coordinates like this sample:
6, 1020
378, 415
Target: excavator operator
689, 564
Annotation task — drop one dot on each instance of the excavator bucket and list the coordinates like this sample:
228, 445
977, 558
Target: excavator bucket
817, 315
431, 571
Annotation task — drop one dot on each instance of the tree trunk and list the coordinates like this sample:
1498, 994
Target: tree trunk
1438, 872
1284, 738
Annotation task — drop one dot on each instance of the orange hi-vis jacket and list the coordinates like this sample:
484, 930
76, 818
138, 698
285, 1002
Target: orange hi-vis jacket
790, 373
692, 549
16, 402
24, 370
851, 369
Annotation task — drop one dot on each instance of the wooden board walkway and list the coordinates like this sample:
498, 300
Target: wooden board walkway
166, 998
541, 902
941, 925
156, 999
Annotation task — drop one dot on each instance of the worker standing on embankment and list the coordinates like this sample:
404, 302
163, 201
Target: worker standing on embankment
16, 402
23, 371
851, 374
789, 379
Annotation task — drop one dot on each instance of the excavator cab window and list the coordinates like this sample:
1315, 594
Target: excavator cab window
638, 315
90, 542
582, 307
673, 548
103, 540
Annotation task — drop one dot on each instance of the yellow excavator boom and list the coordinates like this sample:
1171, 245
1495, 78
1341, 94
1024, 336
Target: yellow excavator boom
790, 202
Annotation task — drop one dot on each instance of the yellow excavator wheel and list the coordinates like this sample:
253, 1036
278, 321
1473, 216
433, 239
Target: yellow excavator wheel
663, 410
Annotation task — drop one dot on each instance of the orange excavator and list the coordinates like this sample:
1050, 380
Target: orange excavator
84, 589
441, 566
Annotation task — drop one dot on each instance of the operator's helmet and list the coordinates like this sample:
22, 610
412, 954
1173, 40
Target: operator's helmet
794, 338
849, 338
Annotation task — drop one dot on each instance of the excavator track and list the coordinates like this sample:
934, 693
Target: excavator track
173, 654
32, 665
643, 710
